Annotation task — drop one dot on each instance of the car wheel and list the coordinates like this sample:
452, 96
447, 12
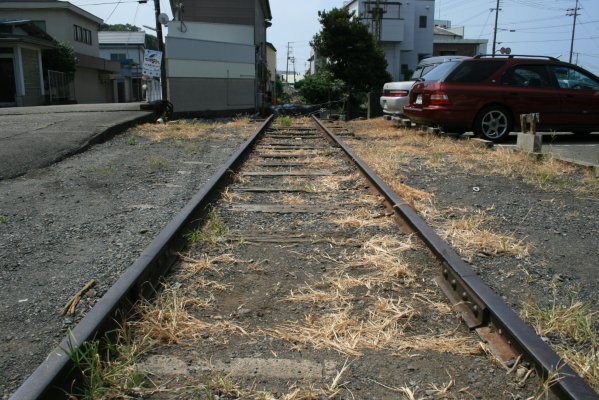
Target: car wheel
493, 123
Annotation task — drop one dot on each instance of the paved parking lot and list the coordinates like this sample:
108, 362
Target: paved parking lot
579, 149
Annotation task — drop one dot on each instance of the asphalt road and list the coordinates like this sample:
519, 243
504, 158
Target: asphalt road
35, 137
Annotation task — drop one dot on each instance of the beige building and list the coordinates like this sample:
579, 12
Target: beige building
448, 41
271, 61
68, 23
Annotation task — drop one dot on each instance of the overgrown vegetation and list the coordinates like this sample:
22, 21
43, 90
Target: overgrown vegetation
285, 121
212, 231
195, 129
108, 366
61, 58
322, 88
572, 328
356, 62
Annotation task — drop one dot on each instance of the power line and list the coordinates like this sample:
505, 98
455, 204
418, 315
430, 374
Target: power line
113, 10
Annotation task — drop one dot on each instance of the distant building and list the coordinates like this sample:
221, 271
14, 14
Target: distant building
271, 62
126, 48
403, 29
68, 23
216, 56
21, 72
449, 41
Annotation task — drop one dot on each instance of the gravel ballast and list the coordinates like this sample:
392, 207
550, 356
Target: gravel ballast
88, 217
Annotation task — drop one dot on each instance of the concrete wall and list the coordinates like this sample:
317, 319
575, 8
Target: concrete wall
237, 12
31, 74
89, 88
216, 56
210, 67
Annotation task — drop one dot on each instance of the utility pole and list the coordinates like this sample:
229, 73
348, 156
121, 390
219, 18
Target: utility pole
161, 49
495, 30
573, 12
287, 69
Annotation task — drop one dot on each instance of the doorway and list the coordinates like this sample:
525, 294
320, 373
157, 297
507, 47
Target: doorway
8, 89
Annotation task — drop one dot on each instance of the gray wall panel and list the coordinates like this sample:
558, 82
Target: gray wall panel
190, 49
239, 12
198, 94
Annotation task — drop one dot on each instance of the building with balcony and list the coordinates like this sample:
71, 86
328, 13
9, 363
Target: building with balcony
404, 30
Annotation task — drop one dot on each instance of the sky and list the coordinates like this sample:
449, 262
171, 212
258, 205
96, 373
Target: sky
537, 27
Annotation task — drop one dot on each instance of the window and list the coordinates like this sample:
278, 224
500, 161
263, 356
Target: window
40, 24
117, 56
474, 71
570, 78
82, 35
422, 22
526, 76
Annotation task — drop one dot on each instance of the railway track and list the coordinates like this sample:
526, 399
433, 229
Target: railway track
297, 272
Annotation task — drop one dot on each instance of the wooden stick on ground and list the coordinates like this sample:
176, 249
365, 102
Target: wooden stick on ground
69, 308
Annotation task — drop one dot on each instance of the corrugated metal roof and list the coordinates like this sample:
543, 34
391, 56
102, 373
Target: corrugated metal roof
121, 37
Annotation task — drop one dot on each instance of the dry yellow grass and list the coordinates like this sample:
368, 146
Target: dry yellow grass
169, 319
361, 218
573, 323
440, 151
193, 129
469, 234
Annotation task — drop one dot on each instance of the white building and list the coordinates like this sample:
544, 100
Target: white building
404, 30
126, 48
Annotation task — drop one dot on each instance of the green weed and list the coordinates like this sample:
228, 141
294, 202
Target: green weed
3, 219
132, 140
156, 163
213, 230
286, 121
574, 323
107, 367
108, 170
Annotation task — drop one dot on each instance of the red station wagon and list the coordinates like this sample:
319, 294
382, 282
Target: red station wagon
487, 95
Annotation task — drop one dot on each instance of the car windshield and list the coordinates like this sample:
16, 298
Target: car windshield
440, 71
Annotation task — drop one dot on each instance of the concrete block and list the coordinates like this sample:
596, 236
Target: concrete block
530, 143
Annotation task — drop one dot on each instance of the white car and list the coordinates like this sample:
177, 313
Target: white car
397, 94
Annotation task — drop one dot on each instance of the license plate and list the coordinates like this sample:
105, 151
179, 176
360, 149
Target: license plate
418, 99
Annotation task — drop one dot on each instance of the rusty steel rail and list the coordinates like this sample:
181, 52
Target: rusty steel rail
53, 378
480, 305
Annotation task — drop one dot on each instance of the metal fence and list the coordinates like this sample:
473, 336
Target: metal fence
60, 87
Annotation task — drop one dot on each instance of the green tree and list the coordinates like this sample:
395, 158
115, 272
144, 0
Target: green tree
62, 58
352, 53
321, 87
